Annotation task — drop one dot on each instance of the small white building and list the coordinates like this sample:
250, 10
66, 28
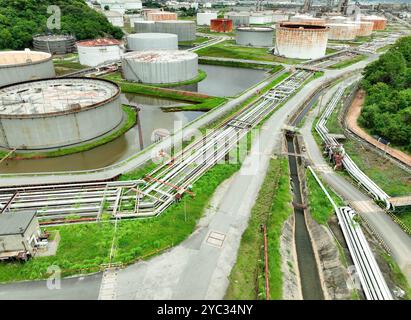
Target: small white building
19, 234
115, 18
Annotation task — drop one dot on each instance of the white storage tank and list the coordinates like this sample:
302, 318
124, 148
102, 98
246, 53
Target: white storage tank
257, 18
18, 66
184, 29
255, 36
168, 66
95, 52
54, 44
301, 41
239, 19
54, 113
204, 18
342, 31
144, 26
152, 41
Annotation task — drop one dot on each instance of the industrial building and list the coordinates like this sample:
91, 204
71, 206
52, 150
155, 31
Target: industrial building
185, 30
95, 52
380, 23
204, 18
115, 18
161, 16
152, 41
168, 66
18, 66
342, 31
54, 113
301, 41
19, 235
55, 44
221, 25
255, 36
238, 18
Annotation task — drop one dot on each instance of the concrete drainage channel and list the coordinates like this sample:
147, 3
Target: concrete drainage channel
307, 265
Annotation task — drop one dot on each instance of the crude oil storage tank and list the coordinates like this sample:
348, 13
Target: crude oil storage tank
18, 66
221, 25
306, 19
279, 16
55, 44
95, 52
53, 113
255, 36
364, 28
342, 31
185, 30
204, 18
379, 22
238, 18
152, 41
167, 66
257, 18
301, 41
161, 15
144, 26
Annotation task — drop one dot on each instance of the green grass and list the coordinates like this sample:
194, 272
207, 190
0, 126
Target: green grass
330, 51
207, 105
64, 67
193, 43
272, 208
228, 49
207, 31
320, 207
84, 247
399, 277
130, 121
348, 62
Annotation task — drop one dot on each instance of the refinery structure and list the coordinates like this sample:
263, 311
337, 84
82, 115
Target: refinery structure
113, 134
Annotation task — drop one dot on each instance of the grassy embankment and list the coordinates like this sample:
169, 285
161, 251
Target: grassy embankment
197, 41
200, 102
273, 207
63, 67
239, 64
131, 117
228, 49
83, 248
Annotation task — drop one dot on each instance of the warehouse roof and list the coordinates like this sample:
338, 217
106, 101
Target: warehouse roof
15, 223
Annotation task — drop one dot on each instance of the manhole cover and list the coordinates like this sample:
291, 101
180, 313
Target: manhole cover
216, 239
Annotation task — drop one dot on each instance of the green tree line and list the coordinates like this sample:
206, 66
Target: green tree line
387, 107
21, 19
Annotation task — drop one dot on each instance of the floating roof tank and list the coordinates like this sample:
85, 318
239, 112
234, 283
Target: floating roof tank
342, 31
204, 18
152, 41
380, 23
301, 41
95, 52
365, 28
306, 19
185, 30
166, 66
255, 36
221, 25
53, 113
55, 44
18, 66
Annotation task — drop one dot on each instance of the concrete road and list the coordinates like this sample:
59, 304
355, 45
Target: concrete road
76, 288
397, 240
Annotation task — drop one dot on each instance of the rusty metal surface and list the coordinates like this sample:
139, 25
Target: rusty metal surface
161, 16
221, 25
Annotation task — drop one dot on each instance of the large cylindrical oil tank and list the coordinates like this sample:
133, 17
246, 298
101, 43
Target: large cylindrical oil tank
161, 16
255, 36
221, 25
54, 113
337, 19
18, 66
204, 18
168, 66
55, 44
342, 31
95, 52
279, 16
364, 28
144, 26
239, 19
301, 41
257, 18
185, 30
152, 41
379, 22
306, 19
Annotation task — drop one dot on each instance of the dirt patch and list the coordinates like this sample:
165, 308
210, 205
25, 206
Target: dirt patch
353, 113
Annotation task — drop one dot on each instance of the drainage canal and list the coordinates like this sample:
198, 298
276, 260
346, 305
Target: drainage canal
309, 276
